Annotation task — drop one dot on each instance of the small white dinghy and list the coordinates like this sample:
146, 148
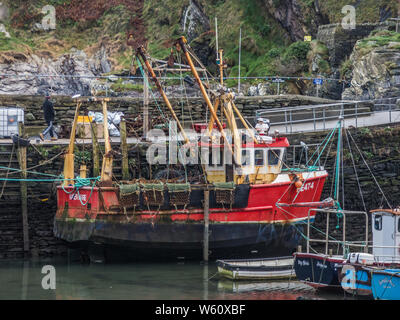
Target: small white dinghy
256, 269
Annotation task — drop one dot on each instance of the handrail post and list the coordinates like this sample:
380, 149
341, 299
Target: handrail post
286, 123
327, 233
315, 125
356, 114
344, 234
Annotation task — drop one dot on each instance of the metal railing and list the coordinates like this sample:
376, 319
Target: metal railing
323, 117
344, 243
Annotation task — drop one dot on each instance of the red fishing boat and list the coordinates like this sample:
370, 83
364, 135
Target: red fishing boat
254, 207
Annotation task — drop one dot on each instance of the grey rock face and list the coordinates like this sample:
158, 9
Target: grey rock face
35, 75
375, 75
194, 21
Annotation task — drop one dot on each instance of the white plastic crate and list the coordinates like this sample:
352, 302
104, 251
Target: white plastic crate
9, 118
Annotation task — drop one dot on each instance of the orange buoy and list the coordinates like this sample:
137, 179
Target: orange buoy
298, 184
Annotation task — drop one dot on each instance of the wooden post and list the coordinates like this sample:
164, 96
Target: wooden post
69, 174
95, 152
107, 165
206, 224
24, 189
124, 149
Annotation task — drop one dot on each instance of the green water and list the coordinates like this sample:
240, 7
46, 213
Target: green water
22, 279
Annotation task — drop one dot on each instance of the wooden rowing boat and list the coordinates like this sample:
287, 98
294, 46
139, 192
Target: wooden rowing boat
256, 269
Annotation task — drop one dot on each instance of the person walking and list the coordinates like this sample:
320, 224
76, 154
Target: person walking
48, 111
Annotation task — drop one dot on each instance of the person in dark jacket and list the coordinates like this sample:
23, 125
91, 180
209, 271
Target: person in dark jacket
48, 111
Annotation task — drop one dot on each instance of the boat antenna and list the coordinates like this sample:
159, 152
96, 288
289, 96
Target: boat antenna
240, 53
216, 35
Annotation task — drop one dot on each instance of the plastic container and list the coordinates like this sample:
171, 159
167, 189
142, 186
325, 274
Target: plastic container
9, 118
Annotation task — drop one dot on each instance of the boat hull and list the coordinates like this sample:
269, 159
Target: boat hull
355, 279
257, 269
137, 241
386, 284
94, 217
318, 270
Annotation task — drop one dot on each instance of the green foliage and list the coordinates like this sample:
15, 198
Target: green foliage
83, 157
254, 17
274, 53
120, 86
297, 50
324, 66
345, 67
368, 154
235, 73
379, 39
18, 44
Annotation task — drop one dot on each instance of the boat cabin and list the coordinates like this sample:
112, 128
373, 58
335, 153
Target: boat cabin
260, 163
386, 235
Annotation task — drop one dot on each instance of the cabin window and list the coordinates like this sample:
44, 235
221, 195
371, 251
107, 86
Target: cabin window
259, 157
378, 222
273, 157
246, 160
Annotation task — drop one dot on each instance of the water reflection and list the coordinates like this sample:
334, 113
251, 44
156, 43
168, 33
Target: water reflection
148, 281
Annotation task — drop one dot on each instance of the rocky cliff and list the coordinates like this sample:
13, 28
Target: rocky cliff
375, 68
90, 38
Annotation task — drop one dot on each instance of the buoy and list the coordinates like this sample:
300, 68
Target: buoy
298, 184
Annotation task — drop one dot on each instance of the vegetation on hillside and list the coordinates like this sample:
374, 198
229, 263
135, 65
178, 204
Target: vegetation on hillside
266, 45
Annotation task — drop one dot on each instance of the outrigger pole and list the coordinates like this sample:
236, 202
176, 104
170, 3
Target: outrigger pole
69, 175
106, 169
142, 53
182, 41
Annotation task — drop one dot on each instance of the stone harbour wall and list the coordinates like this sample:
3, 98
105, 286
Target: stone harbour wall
191, 109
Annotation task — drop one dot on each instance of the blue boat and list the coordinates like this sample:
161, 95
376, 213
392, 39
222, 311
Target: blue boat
356, 273
385, 284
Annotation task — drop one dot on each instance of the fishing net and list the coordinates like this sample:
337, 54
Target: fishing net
179, 194
224, 193
153, 194
129, 195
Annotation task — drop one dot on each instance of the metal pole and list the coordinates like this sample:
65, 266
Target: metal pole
206, 224
344, 234
327, 234
216, 35
315, 125
356, 115
240, 52
286, 122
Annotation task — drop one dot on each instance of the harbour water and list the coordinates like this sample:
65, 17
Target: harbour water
22, 280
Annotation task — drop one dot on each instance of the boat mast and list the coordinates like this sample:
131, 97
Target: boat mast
181, 42
142, 53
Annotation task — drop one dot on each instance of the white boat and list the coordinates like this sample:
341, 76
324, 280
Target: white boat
256, 269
